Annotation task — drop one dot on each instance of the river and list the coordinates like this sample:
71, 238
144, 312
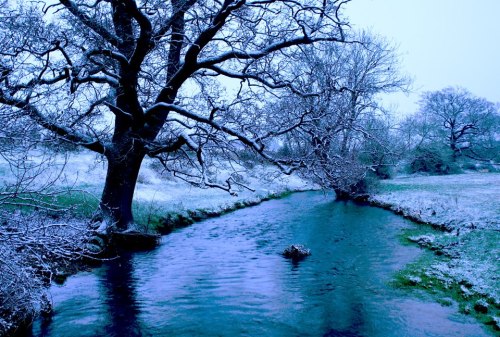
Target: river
225, 277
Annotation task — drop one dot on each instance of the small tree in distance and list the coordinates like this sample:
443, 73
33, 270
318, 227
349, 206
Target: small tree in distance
129, 79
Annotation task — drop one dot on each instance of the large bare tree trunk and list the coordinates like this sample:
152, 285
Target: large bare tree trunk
117, 196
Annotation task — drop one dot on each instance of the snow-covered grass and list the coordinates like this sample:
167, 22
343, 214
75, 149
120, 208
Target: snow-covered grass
455, 201
172, 194
465, 263
157, 191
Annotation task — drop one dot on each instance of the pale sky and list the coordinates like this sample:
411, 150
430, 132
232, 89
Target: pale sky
442, 43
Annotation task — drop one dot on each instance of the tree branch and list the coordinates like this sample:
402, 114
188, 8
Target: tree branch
241, 55
87, 21
252, 143
64, 132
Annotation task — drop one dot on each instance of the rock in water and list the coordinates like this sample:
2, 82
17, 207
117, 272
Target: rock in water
296, 252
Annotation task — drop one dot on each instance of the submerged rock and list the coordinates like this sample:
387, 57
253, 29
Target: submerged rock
296, 252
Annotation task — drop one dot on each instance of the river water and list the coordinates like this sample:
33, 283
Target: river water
226, 277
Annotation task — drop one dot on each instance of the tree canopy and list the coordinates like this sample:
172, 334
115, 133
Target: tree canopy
129, 79
466, 124
345, 135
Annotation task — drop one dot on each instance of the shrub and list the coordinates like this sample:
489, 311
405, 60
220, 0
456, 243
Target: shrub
383, 171
433, 161
359, 189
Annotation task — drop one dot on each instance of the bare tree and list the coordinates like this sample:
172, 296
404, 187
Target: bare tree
341, 120
464, 123
129, 79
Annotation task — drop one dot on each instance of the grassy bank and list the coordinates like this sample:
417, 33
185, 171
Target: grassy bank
463, 260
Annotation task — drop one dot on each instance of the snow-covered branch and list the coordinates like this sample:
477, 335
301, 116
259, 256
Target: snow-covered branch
64, 132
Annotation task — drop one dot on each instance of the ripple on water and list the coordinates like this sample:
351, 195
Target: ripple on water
226, 277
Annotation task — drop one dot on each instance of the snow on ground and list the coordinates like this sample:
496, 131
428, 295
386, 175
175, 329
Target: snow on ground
160, 190
468, 207
455, 201
173, 194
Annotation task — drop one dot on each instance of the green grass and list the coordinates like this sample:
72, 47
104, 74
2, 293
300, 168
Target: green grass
81, 204
78, 203
419, 278
148, 215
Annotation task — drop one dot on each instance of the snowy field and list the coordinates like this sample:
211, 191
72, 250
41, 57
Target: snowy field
467, 263
464, 201
159, 190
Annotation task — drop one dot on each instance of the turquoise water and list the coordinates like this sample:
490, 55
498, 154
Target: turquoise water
226, 277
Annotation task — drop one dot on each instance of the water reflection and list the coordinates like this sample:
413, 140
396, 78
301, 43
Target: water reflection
226, 277
353, 330
119, 294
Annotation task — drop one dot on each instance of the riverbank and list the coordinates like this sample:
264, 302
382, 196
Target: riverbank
463, 265
38, 248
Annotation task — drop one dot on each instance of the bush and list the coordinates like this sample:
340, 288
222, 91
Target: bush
383, 171
433, 161
380, 160
359, 189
